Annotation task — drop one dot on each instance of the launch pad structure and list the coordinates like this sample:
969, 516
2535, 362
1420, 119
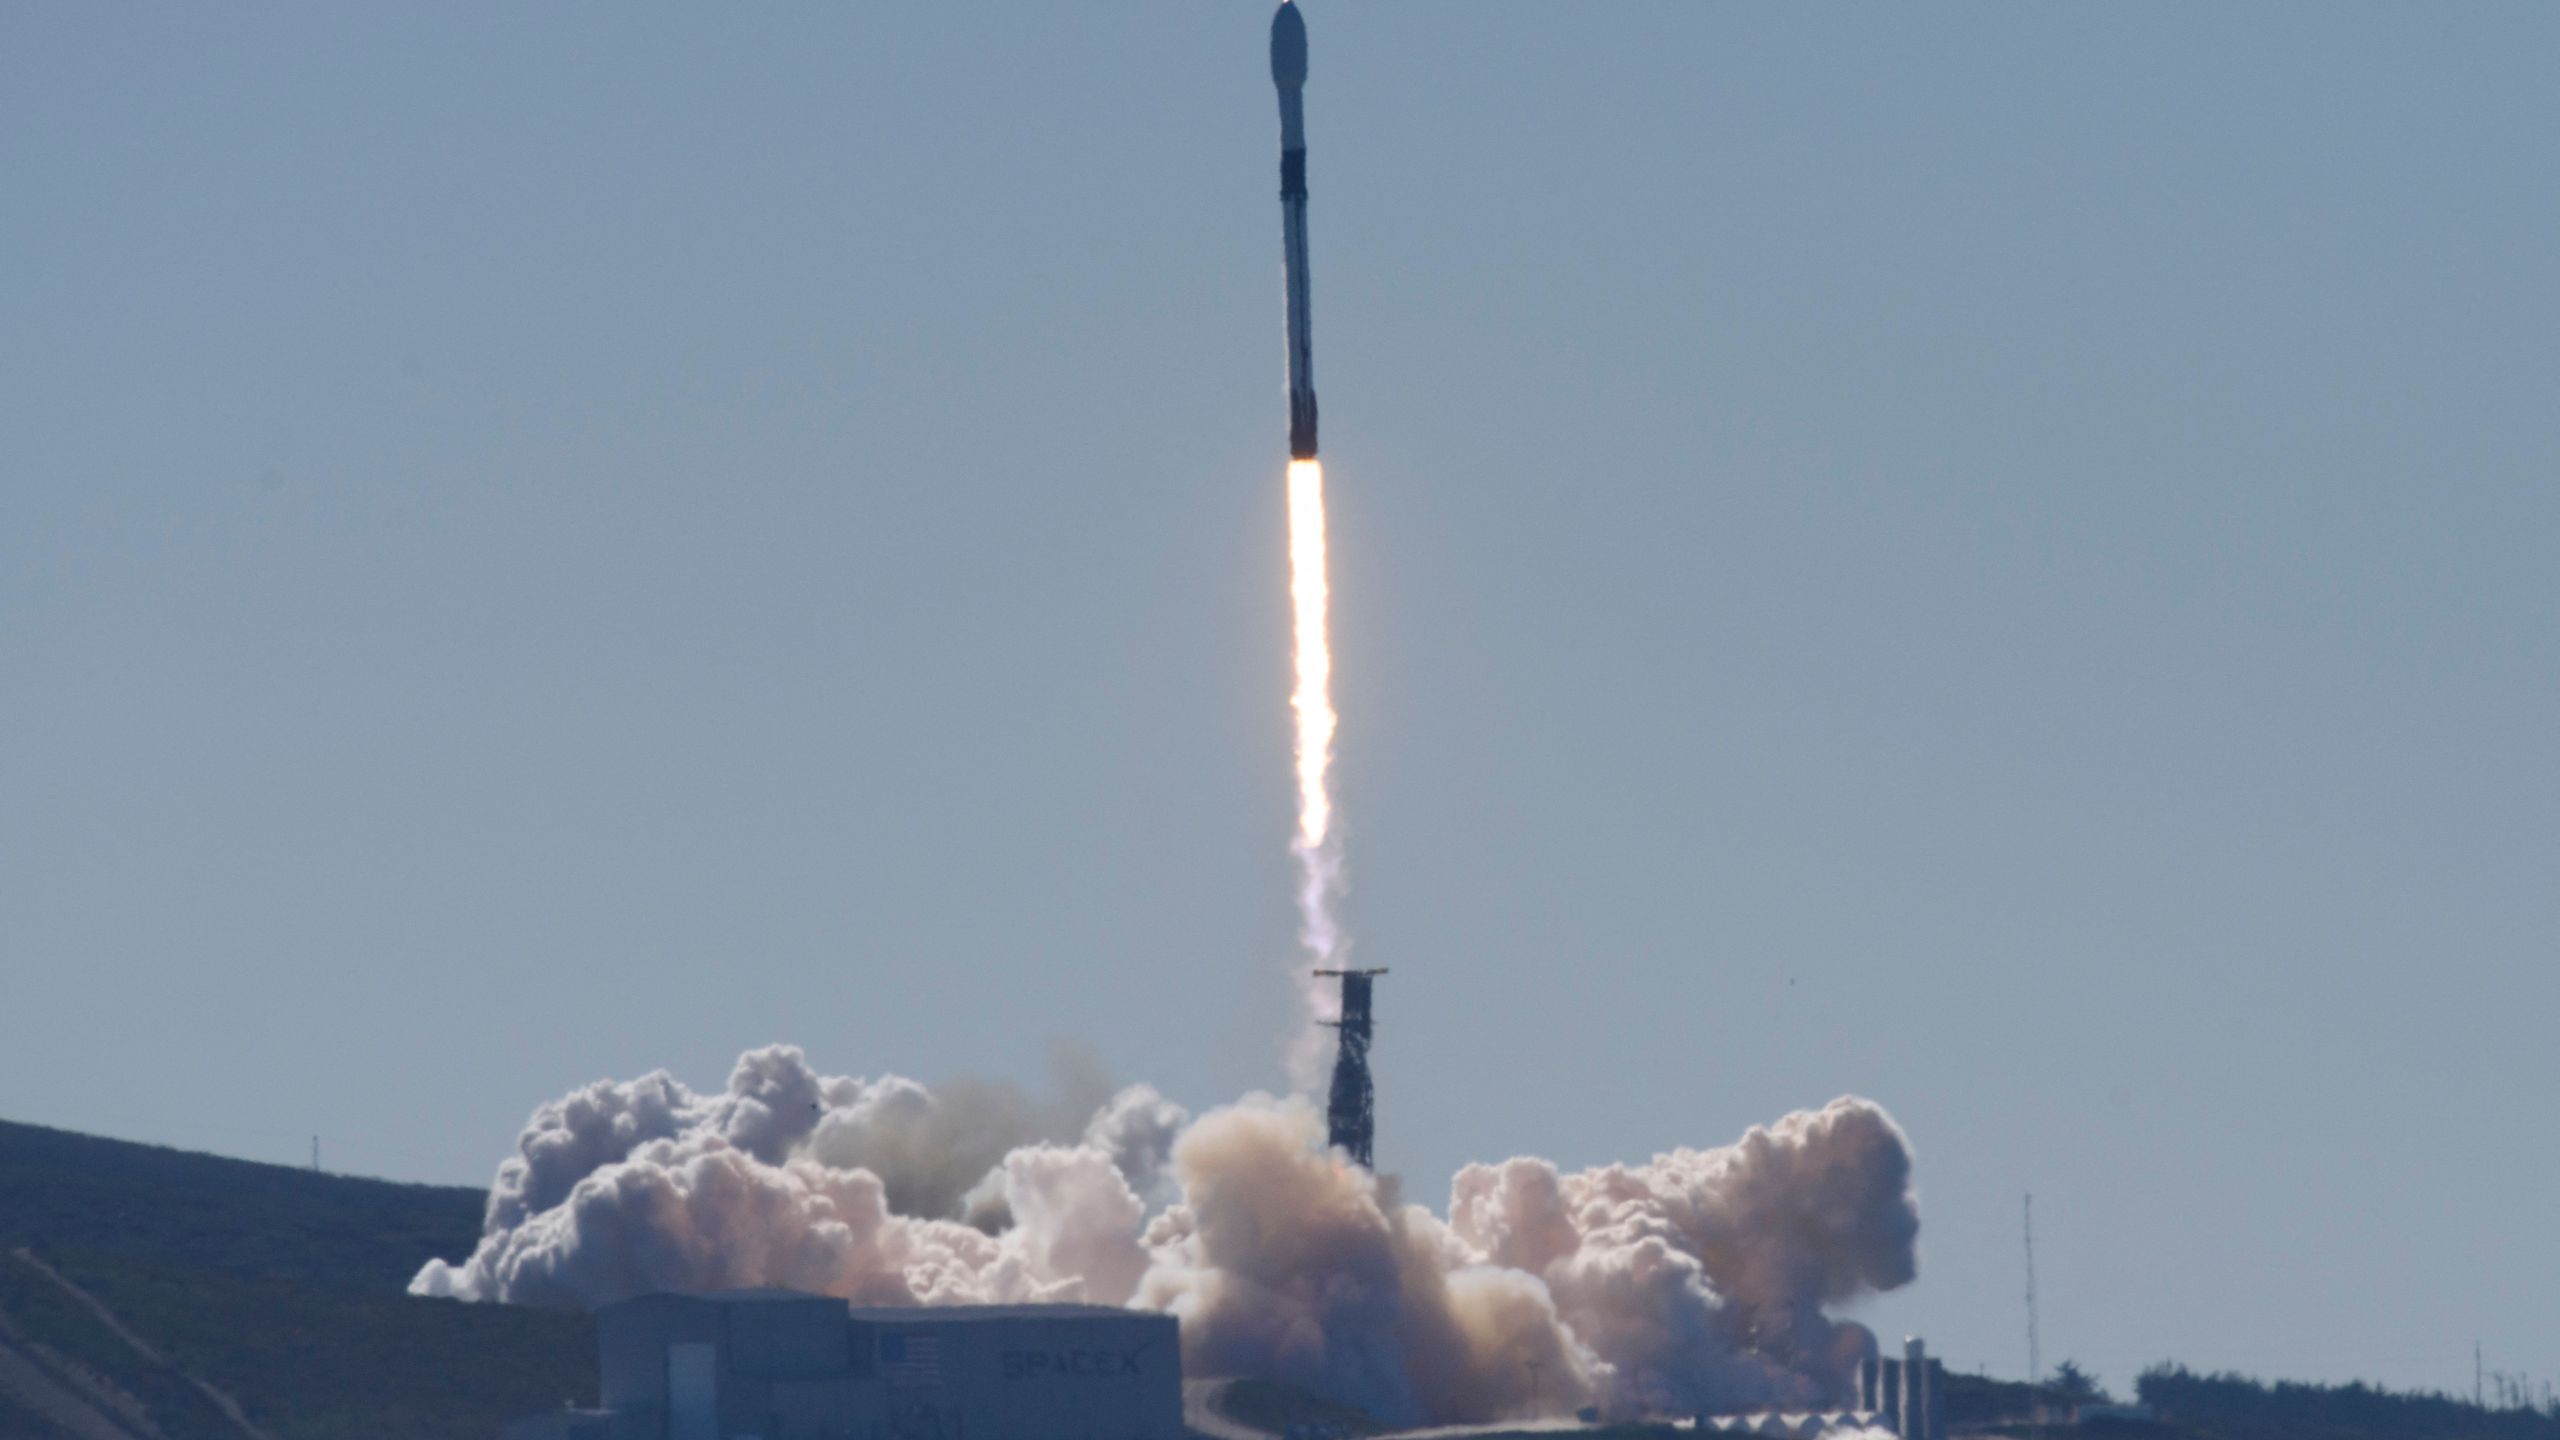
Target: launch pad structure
1351, 1117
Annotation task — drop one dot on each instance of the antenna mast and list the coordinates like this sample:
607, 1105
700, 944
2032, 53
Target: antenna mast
2035, 1354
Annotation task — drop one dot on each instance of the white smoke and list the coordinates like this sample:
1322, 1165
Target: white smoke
1695, 1281
823, 1183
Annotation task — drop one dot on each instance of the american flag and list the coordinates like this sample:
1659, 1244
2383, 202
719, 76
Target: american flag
910, 1359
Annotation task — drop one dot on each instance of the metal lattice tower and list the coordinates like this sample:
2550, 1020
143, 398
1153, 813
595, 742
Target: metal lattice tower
1351, 1119
2035, 1349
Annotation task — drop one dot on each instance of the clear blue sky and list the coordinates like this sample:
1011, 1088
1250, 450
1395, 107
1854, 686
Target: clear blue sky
2001, 559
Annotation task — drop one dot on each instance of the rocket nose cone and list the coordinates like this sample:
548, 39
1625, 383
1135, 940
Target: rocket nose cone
1288, 47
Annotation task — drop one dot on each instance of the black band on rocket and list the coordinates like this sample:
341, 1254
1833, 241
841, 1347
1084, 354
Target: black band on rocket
1293, 174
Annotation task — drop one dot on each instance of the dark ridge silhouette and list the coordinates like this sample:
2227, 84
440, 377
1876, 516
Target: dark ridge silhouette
2226, 1406
65, 1191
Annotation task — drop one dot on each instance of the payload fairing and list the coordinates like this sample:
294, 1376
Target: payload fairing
1289, 73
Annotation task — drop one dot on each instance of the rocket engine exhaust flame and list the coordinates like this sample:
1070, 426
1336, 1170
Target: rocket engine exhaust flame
1310, 596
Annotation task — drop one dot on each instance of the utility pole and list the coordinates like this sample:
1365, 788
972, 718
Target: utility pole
2479, 1392
315, 1154
2035, 1353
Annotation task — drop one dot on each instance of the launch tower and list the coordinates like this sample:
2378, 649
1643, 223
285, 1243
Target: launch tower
1352, 1117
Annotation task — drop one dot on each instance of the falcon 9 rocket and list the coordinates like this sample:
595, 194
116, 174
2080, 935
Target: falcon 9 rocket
1289, 73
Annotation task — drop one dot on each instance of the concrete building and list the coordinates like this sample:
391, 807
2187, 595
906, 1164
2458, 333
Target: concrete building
780, 1365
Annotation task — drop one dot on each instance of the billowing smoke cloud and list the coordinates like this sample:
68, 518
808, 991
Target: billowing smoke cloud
932, 1147
878, 1190
1283, 1261
1701, 1276
1695, 1281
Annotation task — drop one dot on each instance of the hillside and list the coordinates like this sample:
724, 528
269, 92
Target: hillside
64, 1191
152, 1294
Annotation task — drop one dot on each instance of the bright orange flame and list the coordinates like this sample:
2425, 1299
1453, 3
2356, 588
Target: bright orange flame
1310, 597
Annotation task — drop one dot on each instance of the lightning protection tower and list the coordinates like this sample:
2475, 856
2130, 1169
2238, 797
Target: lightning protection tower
1351, 1120
2035, 1348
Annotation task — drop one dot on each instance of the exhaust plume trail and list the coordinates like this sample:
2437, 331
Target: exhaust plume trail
1319, 855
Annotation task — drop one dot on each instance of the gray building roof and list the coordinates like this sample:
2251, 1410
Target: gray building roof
915, 1314
894, 1314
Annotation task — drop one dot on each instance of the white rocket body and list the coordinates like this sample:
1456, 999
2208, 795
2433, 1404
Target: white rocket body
1289, 73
